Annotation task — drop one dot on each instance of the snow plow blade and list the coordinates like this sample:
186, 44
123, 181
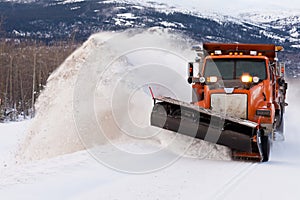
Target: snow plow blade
191, 120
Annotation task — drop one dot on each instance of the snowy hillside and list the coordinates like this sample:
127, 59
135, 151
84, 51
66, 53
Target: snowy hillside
264, 12
62, 18
54, 20
274, 24
272, 21
91, 137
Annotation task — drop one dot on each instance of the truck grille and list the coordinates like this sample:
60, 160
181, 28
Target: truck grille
230, 104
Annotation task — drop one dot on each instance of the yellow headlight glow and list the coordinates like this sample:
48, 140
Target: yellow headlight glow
212, 79
246, 78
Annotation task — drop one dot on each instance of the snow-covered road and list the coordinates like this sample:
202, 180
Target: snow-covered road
45, 158
79, 176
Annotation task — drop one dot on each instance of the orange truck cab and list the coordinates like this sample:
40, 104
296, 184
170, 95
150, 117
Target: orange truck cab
241, 80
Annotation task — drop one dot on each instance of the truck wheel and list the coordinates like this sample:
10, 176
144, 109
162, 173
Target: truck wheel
265, 143
280, 128
279, 131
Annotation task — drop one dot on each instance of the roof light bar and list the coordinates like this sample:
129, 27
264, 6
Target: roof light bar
218, 52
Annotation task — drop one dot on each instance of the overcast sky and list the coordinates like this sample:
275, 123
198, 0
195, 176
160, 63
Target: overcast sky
232, 5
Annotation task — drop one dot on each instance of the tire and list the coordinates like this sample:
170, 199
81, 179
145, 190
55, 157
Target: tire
279, 115
265, 143
279, 129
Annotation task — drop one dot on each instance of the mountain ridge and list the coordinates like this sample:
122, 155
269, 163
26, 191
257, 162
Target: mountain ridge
51, 20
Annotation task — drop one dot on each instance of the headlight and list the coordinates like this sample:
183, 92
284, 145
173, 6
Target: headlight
246, 78
255, 79
212, 79
265, 113
202, 79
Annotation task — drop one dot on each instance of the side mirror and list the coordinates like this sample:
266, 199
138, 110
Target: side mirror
282, 69
191, 72
191, 79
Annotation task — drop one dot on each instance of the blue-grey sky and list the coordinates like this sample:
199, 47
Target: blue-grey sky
232, 5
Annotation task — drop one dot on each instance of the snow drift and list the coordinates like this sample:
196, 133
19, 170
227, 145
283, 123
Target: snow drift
100, 96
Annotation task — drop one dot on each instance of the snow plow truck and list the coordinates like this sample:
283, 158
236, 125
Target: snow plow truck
238, 99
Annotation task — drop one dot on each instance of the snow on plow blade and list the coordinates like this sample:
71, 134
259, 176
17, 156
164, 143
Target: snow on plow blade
197, 122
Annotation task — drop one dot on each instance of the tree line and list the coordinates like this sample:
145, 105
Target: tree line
24, 69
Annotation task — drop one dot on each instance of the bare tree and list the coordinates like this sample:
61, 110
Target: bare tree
33, 83
24, 69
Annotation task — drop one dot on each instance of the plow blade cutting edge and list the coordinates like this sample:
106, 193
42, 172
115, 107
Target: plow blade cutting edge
242, 136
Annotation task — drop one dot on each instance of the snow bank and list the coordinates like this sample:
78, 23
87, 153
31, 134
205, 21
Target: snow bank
100, 96
11, 135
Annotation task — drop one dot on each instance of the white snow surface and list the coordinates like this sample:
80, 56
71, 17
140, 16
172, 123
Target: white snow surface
62, 154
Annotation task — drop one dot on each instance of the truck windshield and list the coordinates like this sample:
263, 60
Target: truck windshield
229, 69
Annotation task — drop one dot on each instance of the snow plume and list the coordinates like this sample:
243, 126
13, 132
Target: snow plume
99, 100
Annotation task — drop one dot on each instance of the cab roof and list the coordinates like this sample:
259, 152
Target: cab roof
268, 50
